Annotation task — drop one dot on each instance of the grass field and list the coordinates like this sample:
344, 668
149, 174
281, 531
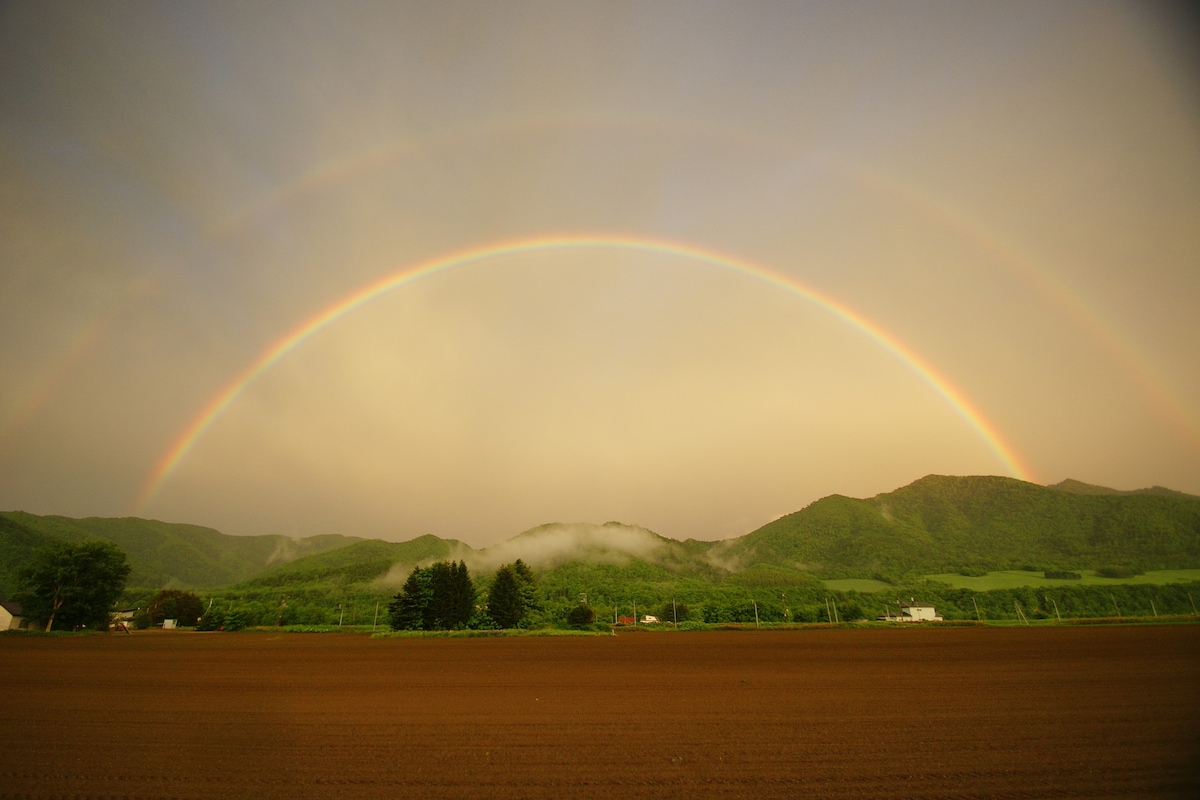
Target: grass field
1011, 579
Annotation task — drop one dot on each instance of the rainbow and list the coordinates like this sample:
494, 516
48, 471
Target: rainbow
183, 443
1024, 265
1040, 277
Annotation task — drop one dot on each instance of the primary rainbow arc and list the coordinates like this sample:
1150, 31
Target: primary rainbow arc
184, 442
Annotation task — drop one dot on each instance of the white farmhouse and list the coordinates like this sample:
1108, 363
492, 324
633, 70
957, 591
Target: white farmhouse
912, 612
10, 616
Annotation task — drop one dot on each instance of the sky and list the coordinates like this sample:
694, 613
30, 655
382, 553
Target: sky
393, 269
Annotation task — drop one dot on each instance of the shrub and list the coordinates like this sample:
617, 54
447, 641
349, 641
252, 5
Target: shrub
481, 621
581, 616
1118, 572
236, 620
1063, 575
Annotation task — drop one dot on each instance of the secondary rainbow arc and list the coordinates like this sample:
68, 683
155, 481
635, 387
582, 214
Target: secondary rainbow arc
1024, 265
220, 402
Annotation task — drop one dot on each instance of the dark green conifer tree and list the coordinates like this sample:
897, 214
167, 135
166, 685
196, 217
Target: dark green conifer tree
438, 597
409, 609
464, 595
504, 600
527, 586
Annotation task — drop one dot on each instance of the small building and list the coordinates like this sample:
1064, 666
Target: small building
122, 620
911, 612
11, 617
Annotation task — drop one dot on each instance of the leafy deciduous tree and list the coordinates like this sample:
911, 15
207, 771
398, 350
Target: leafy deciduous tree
74, 584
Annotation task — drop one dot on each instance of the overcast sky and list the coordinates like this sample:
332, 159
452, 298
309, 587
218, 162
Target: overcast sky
955, 238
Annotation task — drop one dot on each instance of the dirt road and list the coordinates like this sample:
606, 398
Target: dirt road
1089, 712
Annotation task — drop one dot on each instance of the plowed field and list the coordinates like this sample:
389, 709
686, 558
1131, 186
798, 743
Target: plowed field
1089, 712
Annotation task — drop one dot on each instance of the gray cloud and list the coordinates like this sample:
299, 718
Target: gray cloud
1009, 192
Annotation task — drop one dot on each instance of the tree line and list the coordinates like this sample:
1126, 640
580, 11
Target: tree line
76, 585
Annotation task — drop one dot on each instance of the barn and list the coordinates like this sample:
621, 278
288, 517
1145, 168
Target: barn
10, 616
911, 612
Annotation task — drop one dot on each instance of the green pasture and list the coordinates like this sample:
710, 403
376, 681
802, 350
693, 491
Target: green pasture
1015, 578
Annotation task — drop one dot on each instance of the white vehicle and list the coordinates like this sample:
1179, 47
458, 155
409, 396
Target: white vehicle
649, 620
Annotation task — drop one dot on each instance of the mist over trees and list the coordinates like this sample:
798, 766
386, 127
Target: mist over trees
72, 585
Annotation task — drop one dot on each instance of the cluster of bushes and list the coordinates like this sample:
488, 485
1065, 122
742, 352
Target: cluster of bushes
218, 620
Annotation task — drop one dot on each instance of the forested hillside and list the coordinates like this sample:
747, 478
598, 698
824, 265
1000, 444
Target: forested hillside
160, 553
936, 524
945, 524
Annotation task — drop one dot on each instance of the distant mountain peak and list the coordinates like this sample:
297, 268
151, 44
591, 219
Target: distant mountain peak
1079, 487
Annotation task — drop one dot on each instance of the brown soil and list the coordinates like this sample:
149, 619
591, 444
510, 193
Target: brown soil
915, 712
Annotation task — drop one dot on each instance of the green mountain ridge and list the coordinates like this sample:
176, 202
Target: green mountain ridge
1079, 487
945, 524
936, 524
161, 554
